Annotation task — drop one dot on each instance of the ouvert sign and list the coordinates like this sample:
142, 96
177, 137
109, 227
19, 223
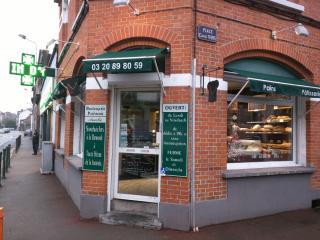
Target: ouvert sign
94, 138
175, 140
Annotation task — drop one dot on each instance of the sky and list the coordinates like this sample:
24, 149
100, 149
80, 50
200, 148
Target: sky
38, 20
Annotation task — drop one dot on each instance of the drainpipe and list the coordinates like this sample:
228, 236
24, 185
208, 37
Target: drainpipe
194, 76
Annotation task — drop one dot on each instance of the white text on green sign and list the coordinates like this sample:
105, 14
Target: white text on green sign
27, 70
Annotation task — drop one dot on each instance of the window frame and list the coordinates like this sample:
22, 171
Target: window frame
298, 132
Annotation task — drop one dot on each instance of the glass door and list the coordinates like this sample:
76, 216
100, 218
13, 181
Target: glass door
138, 144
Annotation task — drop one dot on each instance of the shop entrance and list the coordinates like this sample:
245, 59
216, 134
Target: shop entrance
137, 145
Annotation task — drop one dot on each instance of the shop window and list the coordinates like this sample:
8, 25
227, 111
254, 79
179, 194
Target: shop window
264, 129
260, 128
78, 122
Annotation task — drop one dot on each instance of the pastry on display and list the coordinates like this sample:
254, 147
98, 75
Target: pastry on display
288, 129
256, 127
278, 128
268, 126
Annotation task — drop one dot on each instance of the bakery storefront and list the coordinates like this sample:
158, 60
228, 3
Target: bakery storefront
134, 78
266, 114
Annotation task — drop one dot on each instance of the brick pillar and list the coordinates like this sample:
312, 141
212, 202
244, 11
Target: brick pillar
68, 132
176, 190
95, 183
313, 139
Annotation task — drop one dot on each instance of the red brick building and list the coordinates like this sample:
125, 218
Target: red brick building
138, 80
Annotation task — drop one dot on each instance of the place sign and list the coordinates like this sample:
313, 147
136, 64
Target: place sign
94, 138
175, 140
207, 34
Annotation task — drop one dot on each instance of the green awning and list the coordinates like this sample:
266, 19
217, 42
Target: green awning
129, 61
59, 92
290, 86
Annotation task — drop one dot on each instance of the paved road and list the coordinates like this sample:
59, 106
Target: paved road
38, 207
9, 138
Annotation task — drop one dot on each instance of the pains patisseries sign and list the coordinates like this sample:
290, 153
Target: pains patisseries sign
27, 69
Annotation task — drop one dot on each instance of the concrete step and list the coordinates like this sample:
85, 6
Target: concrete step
134, 206
148, 221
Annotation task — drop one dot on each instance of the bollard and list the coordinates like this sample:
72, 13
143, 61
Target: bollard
9, 155
0, 168
1, 222
4, 163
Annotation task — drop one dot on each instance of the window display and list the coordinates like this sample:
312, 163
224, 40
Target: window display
260, 131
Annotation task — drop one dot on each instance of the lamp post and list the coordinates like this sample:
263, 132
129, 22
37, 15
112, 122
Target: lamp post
33, 42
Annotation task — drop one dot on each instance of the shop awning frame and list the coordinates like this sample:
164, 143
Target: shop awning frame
298, 84
67, 87
277, 84
140, 61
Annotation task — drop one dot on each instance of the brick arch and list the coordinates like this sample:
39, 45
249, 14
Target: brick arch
139, 31
77, 66
275, 50
132, 42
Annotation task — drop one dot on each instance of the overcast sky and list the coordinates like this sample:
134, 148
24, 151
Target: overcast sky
39, 21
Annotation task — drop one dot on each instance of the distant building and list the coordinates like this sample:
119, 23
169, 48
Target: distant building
24, 119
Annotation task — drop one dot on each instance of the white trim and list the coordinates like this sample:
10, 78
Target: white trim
315, 99
252, 165
133, 79
68, 99
91, 83
184, 80
148, 79
111, 165
288, 4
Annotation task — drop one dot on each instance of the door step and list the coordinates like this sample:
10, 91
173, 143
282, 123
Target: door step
144, 220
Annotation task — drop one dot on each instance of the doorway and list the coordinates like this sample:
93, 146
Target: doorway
137, 145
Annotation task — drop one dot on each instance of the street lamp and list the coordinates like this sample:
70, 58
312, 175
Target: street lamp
24, 37
120, 3
52, 41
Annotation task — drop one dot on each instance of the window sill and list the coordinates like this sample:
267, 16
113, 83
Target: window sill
260, 172
60, 152
75, 162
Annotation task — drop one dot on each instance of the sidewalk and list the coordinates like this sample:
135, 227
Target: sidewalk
38, 207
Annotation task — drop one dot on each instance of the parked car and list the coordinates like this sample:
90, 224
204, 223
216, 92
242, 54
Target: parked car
28, 132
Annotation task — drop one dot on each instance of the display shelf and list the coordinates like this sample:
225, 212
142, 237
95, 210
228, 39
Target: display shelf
262, 132
266, 122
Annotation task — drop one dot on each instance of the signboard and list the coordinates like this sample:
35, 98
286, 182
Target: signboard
207, 34
121, 65
94, 137
46, 95
27, 69
175, 140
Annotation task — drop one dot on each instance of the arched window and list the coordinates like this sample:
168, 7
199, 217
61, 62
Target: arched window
264, 126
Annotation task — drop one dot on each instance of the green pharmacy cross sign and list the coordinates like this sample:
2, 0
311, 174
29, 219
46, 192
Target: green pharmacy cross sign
27, 69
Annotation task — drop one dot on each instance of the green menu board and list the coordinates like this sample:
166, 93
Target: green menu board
175, 140
94, 138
